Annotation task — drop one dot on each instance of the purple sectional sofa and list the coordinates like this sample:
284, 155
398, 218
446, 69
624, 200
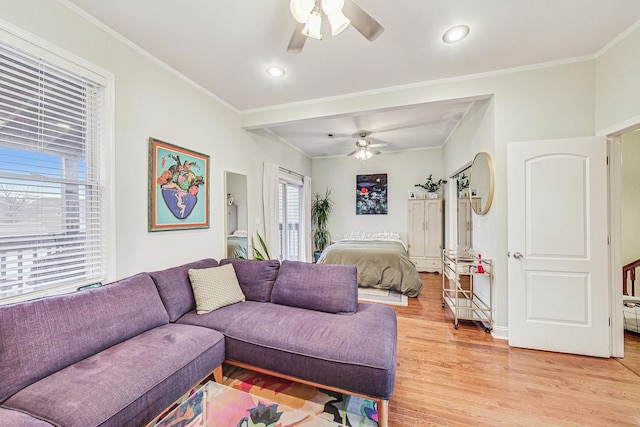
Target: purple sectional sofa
119, 354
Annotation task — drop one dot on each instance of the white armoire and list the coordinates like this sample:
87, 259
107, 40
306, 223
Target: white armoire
426, 234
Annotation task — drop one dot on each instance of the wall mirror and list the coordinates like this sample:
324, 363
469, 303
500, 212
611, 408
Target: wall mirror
481, 183
236, 219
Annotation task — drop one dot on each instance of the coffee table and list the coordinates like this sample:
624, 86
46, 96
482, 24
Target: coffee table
216, 405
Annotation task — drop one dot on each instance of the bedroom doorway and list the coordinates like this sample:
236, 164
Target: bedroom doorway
627, 202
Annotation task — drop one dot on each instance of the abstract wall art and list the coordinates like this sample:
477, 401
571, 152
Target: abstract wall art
371, 194
178, 187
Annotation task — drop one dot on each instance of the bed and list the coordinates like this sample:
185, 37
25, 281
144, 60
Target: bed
631, 310
382, 263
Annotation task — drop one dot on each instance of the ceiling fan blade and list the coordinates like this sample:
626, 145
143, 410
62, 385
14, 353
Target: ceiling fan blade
297, 40
362, 21
353, 152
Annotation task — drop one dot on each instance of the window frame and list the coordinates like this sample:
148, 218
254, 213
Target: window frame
287, 180
30, 44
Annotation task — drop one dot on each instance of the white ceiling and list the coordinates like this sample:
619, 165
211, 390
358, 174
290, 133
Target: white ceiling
226, 46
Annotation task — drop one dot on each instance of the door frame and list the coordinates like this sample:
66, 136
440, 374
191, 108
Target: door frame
614, 157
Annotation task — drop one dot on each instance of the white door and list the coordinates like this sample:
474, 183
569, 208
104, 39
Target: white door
417, 241
464, 223
433, 227
558, 264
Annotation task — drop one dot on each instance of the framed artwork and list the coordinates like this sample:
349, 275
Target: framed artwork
412, 194
371, 194
178, 187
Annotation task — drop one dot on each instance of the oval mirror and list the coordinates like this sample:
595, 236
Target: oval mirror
481, 183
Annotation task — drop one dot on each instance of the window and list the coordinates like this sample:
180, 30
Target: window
52, 232
290, 218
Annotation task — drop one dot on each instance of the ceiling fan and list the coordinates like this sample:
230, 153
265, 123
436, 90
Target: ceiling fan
341, 14
363, 149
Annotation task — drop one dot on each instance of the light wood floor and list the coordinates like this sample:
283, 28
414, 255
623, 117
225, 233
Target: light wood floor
448, 377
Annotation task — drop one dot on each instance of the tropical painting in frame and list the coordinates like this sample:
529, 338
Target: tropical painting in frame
178, 187
371, 194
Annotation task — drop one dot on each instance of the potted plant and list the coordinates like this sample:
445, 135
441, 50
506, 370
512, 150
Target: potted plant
259, 254
432, 187
463, 184
320, 210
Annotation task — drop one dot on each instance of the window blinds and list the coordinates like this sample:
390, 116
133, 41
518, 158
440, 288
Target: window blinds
51, 228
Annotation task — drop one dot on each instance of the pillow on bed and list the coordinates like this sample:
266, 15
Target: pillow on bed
321, 287
372, 235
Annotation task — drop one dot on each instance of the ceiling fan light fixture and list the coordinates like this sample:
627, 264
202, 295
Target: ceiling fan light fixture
312, 27
363, 154
455, 34
339, 23
362, 143
301, 9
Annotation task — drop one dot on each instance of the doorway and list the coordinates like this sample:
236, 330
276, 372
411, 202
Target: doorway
625, 177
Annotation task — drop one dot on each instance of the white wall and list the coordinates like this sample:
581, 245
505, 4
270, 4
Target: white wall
474, 135
151, 101
403, 169
618, 85
630, 197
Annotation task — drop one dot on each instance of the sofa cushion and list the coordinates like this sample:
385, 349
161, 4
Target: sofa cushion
256, 278
355, 353
13, 418
174, 287
43, 336
215, 287
322, 287
127, 384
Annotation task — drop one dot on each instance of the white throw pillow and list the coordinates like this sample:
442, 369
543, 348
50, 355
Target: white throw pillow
215, 287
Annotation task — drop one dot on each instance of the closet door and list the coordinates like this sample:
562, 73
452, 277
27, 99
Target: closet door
433, 227
464, 223
417, 241
232, 218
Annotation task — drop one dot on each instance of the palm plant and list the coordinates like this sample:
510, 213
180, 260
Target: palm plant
320, 210
259, 254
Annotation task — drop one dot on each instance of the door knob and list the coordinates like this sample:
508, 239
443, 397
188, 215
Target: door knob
517, 255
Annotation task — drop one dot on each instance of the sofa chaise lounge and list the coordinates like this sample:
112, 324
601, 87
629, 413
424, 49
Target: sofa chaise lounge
118, 355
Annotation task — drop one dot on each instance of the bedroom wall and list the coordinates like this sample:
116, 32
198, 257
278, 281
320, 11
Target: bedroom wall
153, 101
475, 134
403, 169
630, 197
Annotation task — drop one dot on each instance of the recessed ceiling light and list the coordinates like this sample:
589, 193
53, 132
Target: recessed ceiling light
455, 34
275, 71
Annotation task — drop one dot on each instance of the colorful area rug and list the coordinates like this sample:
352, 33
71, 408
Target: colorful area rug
337, 409
382, 296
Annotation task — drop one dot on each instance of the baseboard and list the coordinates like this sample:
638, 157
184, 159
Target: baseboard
500, 332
